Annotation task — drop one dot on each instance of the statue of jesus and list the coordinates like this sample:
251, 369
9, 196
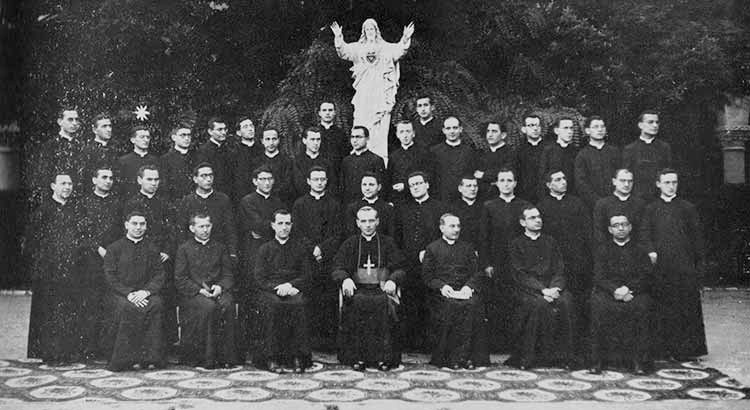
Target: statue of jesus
375, 72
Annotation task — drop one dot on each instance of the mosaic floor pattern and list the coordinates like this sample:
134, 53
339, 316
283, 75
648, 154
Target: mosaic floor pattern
415, 381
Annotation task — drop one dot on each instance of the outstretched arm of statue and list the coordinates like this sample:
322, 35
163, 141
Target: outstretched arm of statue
343, 49
408, 31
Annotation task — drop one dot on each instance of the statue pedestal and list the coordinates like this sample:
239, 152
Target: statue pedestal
733, 132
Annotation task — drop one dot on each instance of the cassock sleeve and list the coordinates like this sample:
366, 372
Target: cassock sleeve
557, 266
342, 262
111, 260
641, 277
600, 224
477, 275
524, 277
583, 183
429, 269
396, 261
226, 277
263, 267
252, 219
184, 284
303, 265
646, 234
601, 267
330, 244
230, 229
156, 268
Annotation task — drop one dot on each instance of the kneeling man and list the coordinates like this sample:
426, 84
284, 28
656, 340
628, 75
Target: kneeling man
451, 272
368, 266
203, 277
135, 276
282, 272
544, 315
619, 302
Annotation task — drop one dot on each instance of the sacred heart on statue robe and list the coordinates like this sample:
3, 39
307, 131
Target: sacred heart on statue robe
371, 57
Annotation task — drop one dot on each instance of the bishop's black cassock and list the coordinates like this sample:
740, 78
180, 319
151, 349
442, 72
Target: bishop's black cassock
672, 230
544, 330
369, 318
284, 324
458, 328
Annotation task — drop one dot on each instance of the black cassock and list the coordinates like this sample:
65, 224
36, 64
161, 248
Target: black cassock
369, 318
55, 325
283, 319
208, 324
458, 329
620, 330
544, 330
672, 230
136, 334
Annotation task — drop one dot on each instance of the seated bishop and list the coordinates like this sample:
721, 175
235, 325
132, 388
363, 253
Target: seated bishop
282, 274
368, 266
451, 272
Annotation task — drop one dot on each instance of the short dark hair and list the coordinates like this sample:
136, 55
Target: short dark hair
327, 102
615, 213
202, 165
447, 215
281, 211
505, 169
316, 168
418, 174
404, 122
548, 174
618, 170
198, 215
367, 208
177, 129
563, 118
60, 172
500, 123
665, 171
62, 109
260, 169
531, 115
589, 120
363, 128
214, 120
99, 117
241, 119
454, 117
464, 177
314, 129
423, 96
370, 174
102, 166
135, 212
645, 113
270, 129
147, 167
528, 207
139, 127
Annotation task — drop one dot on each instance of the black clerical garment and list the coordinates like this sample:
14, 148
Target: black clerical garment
529, 157
544, 330
458, 332
401, 163
451, 163
320, 222
555, 157
53, 247
219, 207
128, 166
498, 227
334, 145
284, 320
136, 334
283, 176
368, 330
176, 173
594, 170
429, 133
612, 205
220, 158
470, 216
301, 171
208, 324
93, 154
386, 214
55, 155
245, 159
255, 217
353, 166
160, 218
672, 230
490, 162
645, 160
103, 225
620, 330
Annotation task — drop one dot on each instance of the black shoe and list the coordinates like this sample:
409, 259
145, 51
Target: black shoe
469, 365
298, 368
359, 366
383, 367
274, 367
638, 368
456, 366
596, 368
524, 364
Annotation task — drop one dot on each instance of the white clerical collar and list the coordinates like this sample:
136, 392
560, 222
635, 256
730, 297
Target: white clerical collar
532, 235
597, 144
369, 238
200, 241
424, 122
469, 202
217, 143
326, 126
557, 196
450, 241
147, 195
140, 153
250, 143
370, 201
623, 243
621, 197
508, 199
358, 153
426, 197
497, 147
312, 155
453, 143
134, 240
66, 136
59, 200
102, 196
316, 195
281, 241
262, 194
532, 142
562, 143
100, 141
668, 198
181, 150
202, 195
406, 147
647, 140
272, 154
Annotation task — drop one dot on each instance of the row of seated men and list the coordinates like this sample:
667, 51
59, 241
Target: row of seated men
438, 148
502, 274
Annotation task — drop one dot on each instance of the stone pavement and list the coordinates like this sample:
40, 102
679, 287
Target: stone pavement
726, 313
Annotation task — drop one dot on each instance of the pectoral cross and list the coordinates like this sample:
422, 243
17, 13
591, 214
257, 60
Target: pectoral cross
369, 265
